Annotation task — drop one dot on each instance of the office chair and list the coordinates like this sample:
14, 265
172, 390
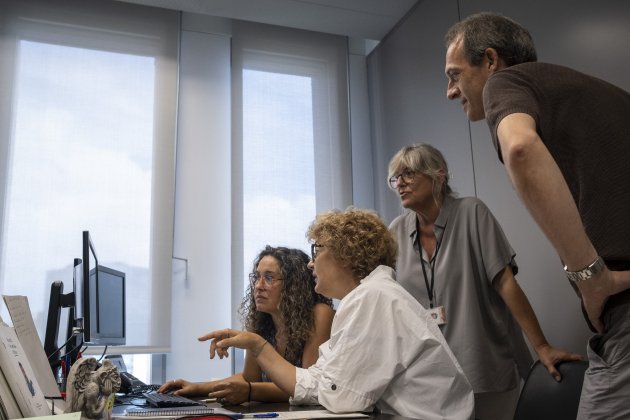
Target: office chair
542, 398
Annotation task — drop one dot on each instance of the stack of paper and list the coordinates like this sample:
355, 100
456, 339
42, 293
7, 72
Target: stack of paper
20, 377
25, 375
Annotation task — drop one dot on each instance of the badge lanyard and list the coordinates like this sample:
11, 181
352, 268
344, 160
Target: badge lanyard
429, 284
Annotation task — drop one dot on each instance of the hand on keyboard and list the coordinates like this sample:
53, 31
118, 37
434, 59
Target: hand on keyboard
169, 400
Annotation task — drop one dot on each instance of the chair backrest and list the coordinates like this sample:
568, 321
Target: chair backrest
543, 398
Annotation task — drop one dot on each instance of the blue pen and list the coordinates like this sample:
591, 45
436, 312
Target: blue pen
260, 415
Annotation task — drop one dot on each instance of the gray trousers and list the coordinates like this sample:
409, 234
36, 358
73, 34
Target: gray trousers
496, 405
606, 389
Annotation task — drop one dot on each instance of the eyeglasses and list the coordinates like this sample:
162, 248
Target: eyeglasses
267, 278
407, 175
314, 250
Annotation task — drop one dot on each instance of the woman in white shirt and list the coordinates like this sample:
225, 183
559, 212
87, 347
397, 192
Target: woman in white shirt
384, 351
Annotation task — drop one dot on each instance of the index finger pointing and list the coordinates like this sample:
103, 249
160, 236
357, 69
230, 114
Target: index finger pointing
225, 333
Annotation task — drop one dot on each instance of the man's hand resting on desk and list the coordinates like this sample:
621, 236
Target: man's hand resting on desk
224, 339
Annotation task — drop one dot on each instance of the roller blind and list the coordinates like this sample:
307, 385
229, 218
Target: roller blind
290, 135
87, 140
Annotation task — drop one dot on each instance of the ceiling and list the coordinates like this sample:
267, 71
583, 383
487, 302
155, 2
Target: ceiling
364, 19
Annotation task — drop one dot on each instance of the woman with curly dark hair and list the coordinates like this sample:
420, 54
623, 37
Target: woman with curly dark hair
385, 350
282, 306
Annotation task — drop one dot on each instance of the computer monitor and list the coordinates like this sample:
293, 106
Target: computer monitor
90, 261
103, 300
58, 301
96, 308
106, 317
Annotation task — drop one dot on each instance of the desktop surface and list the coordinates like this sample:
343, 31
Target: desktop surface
258, 407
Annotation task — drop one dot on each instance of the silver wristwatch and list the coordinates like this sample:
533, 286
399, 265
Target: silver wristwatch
586, 273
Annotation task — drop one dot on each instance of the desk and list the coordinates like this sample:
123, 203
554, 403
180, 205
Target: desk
256, 407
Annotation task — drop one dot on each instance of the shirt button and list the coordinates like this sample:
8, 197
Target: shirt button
333, 387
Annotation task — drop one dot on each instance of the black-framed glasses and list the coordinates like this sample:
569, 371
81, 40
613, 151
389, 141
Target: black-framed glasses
407, 175
268, 279
314, 250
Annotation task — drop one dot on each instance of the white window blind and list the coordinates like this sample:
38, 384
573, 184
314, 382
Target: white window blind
290, 135
87, 138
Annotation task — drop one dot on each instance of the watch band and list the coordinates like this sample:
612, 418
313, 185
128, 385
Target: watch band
586, 273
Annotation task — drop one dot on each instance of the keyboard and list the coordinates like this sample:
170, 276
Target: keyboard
168, 400
143, 389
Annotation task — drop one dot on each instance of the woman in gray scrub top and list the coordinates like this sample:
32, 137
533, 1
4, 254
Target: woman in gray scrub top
455, 259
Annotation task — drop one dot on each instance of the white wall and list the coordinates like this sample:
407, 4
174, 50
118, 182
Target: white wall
362, 158
409, 104
408, 100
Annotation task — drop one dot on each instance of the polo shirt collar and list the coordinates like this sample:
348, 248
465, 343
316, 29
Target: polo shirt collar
440, 224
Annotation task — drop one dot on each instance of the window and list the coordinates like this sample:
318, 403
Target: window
291, 137
88, 145
71, 169
278, 161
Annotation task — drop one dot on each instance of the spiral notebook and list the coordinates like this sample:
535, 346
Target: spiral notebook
172, 412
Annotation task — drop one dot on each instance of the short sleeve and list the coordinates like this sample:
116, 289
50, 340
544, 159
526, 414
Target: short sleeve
495, 248
507, 92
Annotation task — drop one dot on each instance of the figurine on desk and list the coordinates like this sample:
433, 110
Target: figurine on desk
91, 389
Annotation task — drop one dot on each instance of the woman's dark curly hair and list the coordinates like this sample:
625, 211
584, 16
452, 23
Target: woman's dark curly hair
297, 300
358, 239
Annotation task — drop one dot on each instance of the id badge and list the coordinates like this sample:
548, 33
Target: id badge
438, 315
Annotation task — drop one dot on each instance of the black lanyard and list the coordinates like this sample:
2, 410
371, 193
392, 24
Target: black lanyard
429, 284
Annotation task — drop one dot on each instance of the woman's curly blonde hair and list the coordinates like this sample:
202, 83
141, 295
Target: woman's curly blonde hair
297, 300
358, 239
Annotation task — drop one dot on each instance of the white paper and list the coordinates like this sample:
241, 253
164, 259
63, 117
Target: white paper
316, 414
24, 326
20, 376
68, 416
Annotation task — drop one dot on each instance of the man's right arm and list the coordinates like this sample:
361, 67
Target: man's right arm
544, 191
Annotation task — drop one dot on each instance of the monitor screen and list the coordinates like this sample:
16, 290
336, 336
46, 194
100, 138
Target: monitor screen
77, 281
87, 265
73, 302
52, 323
107, 303
103, 304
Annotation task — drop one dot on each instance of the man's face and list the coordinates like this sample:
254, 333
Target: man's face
466, 81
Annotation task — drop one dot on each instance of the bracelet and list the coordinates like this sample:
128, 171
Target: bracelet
249, 394
587, 272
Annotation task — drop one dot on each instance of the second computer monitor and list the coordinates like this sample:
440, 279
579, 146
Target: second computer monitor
103, 300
